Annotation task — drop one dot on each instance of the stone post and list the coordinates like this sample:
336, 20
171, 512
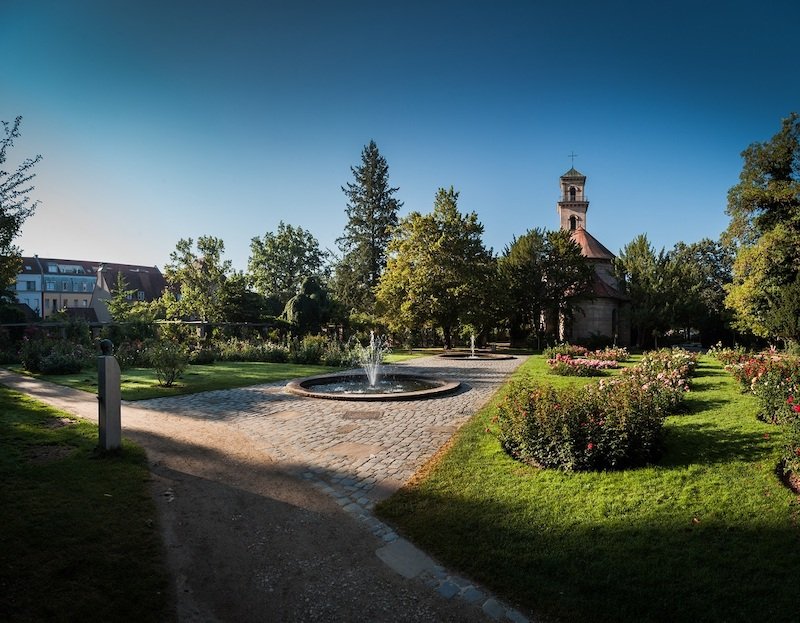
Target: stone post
109, 398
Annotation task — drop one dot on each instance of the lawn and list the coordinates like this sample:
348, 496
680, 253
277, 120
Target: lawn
141, 383
707, 534
80, 539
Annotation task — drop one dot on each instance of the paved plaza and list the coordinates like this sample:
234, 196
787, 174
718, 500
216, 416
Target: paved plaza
361, 451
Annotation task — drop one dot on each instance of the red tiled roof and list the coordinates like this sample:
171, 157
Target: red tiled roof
591, 246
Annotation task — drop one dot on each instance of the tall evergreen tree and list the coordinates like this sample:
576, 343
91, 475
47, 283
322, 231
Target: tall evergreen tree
371, 215
15, 204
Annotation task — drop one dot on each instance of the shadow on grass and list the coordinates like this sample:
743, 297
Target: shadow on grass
708, 444
632, 571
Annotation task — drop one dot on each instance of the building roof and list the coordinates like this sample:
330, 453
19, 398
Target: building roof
147, 279
574, 173
591, 246
603, 290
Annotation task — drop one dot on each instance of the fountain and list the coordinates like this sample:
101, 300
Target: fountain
371, 384
472, 354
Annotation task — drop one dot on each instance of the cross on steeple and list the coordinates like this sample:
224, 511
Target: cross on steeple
573, 155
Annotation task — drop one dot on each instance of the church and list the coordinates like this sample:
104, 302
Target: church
606, 312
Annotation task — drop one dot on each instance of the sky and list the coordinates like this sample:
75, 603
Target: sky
159, 120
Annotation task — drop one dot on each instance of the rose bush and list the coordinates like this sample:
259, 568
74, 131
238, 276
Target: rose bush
612, 424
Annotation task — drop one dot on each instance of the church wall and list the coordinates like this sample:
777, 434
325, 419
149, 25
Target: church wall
598, 318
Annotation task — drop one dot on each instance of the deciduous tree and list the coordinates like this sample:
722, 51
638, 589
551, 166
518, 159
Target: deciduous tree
16, 204
280, 261
439, 271
199, 276
765, 227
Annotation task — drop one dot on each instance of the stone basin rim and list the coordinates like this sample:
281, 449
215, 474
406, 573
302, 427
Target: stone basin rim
302, 387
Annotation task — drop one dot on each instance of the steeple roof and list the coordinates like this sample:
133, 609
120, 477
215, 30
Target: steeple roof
574, 173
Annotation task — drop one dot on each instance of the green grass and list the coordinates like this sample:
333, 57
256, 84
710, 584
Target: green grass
707, 534
79, 537
141, 383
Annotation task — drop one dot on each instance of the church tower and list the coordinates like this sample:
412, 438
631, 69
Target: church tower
573, 204
603, 315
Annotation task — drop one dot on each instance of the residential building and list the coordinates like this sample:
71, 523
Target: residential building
50, 285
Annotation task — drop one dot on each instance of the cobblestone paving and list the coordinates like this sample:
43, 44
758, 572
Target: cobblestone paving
358, 452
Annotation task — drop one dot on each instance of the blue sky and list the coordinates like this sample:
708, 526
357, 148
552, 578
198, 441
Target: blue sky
163, 120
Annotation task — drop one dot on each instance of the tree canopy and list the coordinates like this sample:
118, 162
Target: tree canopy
439, 272
371, 215
280, 261
765, 223
16, 204
768, 192
545, 276
199, 278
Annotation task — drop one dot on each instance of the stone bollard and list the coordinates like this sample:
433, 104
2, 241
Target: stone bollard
109, 398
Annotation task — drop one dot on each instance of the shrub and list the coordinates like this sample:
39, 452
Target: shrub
612, 353
791, 451
564, 349
564, 365
47, 356
595, 427
202, 356
307, 351
728, 356
169, 361
235, 349
612, 424
133, 354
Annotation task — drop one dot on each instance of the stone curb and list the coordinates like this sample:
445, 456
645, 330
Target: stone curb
408, 560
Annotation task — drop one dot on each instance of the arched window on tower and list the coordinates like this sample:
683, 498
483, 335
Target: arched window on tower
573, 222
572, 193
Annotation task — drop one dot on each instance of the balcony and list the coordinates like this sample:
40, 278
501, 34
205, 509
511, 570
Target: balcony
575, 199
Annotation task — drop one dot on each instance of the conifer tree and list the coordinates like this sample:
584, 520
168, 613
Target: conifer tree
371, 215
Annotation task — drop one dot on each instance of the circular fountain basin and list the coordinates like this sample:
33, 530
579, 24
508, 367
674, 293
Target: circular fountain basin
355, 386
476, 356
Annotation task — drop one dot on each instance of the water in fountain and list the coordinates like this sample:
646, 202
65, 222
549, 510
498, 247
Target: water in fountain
372, 356
472, 345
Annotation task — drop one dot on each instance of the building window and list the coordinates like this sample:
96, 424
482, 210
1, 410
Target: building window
85, 303
65, 286
75, 302
30, 285
573, 223
572, 193
85, 286
140, 295
51, 286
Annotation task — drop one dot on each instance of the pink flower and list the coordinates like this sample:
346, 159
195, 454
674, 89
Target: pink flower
590, 446
790, 400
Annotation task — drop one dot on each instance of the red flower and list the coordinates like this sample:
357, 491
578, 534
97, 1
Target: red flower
796, 408
790, 400
766, 435
590, 446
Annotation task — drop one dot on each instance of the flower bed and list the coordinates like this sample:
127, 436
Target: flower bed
566, 365
774, 379
612, 424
